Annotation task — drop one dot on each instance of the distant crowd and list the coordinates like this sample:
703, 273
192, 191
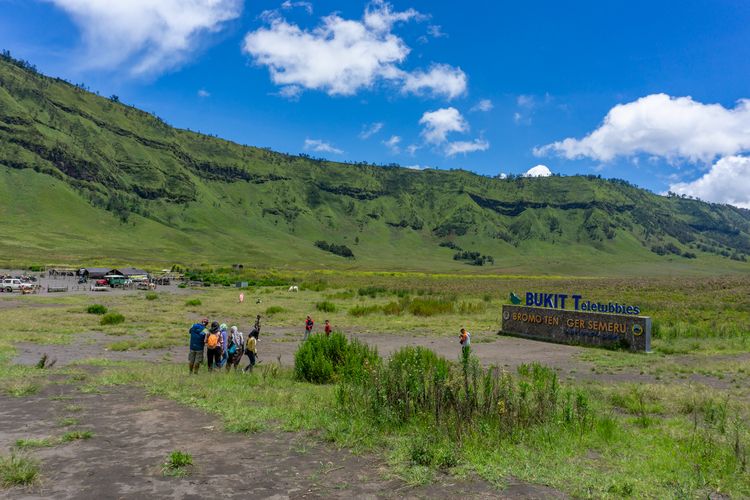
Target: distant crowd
225, 347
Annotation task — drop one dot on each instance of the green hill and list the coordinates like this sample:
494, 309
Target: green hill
85, 178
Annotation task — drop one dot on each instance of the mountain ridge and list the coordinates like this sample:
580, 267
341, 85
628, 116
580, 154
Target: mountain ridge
123, 184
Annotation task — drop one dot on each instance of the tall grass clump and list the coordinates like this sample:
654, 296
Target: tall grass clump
274, 310
152, 296
359, 311
96, 309
17, 470
323, 359
371, 291
418, 386
112, 318
193, 302
431, 306
326, 306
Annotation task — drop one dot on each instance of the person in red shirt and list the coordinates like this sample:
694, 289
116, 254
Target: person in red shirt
308, 327
328, 328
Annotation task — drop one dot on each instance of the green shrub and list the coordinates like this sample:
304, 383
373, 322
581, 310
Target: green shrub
430, 306
472, 307
314, 286
323, 359
193, 302
76, 435
274, 310
359, 311
371, 291
326, 306
18, 470
395, 308
112, 318
96, 309
152, 296
177, 464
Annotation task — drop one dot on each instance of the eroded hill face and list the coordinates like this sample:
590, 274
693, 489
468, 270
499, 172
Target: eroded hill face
83, 177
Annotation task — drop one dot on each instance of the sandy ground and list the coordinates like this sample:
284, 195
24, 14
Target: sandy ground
133, 434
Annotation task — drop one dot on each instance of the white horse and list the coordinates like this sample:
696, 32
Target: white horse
294, 288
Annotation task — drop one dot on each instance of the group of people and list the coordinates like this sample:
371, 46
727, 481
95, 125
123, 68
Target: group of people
223, 347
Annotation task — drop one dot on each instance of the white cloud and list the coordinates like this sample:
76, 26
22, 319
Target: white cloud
370, 130
417, 167
437, 124
464, 147
728, 181
320, 146
393, 144
291, 92
538, 171
484, 106
502, 175
342, 56
663, 126
436, 31
440, 80
147, 36
413, 148
287, 5
526, 101
204, 93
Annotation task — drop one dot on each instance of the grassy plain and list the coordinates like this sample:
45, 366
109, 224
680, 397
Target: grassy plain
671, 424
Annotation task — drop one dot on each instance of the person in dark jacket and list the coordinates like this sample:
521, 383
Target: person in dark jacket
197, 341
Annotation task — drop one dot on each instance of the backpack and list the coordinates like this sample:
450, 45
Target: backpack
213, 340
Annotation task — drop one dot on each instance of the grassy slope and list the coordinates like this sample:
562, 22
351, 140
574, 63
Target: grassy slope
74, 166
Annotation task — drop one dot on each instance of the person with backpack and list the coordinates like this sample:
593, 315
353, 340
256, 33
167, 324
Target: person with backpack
224, 344
308, 327
236, 348
197, 341
465, 340
213, 346
256, 326
251, 350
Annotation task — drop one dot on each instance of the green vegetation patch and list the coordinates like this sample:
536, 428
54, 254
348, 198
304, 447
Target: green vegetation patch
18, 470
177, 464
112, 318
323, 359
96, 309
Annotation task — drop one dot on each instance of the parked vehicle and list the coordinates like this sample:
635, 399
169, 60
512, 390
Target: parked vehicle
14, 285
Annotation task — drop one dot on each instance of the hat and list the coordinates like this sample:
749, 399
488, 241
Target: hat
215, 326
204, 321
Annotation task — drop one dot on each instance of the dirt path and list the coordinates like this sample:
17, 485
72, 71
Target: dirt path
133, 434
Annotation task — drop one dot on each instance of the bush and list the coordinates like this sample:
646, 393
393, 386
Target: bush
151, 296
18, 470
326, 306
177, 464
322, 359
274, 310
193, 302
96, 309
112, 318
371, 291
416, 385
342, 250
430, 307
359, 311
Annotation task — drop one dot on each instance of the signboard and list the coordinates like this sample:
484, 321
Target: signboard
578, 327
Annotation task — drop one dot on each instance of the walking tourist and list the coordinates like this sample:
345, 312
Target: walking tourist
308, 327
213, 346
235, 348
197, 342
328, 328
251, 350
465, 341
224, 344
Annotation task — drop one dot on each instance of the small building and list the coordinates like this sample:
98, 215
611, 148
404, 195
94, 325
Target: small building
96, 273
133, 273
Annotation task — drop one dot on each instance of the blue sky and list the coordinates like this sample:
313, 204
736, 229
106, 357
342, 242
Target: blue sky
652, 92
